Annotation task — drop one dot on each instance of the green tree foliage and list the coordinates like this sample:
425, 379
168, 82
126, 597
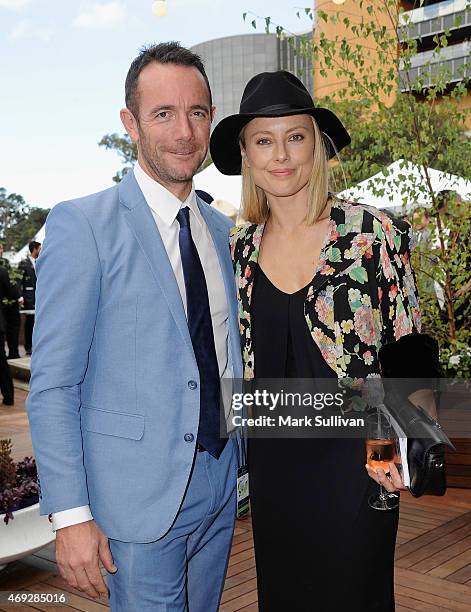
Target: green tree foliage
19, 222
125, 148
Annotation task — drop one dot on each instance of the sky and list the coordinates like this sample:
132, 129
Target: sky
62, 69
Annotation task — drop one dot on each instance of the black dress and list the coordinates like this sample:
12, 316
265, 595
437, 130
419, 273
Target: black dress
319, 547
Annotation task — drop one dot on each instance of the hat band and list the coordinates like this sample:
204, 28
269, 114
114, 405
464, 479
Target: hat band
276, 107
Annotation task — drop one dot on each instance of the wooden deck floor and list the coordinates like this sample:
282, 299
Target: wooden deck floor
433, 555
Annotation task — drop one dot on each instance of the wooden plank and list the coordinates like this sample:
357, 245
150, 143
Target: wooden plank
415, 520
437, 564
240, 578
462, 576
425, 551
453, 471
411, 531
415, 546
237, 548
459, 481
433, 599
237, 591
236, 568
414, 604
462, 445
20, 608
459, 459
454, 499
77, 599
428, 584
251, 608
242, 537
19, 575
239, 603
243, 556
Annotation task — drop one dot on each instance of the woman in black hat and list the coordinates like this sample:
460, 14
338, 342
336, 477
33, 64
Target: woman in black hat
322, 285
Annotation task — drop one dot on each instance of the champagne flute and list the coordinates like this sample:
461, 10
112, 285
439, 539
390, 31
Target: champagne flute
380, 452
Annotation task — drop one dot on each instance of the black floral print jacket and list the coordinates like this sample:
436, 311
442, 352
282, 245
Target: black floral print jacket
362, 295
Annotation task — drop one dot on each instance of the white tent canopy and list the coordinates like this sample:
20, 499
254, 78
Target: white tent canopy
226, 190
15, 258
393, 188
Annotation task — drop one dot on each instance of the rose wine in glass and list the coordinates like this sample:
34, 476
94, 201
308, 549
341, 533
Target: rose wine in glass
380, 452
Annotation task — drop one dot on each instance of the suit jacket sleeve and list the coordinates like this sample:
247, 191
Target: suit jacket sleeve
68, 290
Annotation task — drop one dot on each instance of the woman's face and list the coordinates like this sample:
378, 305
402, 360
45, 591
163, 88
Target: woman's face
279, 152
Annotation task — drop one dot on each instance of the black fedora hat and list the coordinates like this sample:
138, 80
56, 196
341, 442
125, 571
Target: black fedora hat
272, 94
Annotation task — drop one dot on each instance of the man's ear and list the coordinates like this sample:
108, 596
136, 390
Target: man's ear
213, 113
130, 124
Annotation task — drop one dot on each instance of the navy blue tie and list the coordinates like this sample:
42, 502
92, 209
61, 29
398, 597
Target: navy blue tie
202, 338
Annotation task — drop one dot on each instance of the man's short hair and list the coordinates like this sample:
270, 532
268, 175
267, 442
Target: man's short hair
163, 53
33, 245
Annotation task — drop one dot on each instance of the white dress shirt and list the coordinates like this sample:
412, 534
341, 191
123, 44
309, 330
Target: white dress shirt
165, 207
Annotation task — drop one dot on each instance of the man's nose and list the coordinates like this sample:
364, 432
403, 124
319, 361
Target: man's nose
183, 128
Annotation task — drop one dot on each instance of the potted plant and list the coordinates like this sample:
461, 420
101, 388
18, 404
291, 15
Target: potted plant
22, 529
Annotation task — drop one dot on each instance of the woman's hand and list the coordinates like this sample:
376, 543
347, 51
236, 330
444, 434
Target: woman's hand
391, 485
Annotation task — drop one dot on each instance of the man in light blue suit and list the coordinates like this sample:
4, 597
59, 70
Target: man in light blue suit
134, 332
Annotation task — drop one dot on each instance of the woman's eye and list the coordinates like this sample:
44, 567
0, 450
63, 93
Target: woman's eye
263, 141
297, 137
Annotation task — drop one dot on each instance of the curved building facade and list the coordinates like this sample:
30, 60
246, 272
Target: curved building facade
232, 61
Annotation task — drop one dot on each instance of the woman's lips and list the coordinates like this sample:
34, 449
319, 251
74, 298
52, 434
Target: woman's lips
282, 172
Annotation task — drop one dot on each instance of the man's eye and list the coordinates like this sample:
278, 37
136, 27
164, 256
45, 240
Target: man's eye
163, 115
200, 114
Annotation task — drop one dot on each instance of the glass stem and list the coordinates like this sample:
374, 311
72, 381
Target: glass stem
382, 495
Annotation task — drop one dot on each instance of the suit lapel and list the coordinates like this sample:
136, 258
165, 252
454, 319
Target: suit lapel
139, 218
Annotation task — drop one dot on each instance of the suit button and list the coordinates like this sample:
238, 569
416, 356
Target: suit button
188, 437
192, 384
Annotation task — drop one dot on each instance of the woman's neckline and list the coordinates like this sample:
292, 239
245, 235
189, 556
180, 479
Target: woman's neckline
281, 290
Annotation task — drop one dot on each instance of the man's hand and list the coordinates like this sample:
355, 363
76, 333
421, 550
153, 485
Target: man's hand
79, 548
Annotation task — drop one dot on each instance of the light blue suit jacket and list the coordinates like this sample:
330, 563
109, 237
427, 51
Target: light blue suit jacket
110, 402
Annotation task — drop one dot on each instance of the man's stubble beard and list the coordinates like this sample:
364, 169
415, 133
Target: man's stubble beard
162, 170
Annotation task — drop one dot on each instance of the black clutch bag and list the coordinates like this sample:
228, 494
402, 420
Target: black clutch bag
414, 359
426, 443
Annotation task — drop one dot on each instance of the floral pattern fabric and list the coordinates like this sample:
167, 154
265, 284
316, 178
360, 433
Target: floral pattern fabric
362, 295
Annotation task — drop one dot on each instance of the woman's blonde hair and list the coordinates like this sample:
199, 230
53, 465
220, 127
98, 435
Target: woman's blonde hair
254, 201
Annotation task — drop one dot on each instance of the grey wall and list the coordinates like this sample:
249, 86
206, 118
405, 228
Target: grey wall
232, 61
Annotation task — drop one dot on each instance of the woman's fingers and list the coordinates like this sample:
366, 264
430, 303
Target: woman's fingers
396, 478
379, 476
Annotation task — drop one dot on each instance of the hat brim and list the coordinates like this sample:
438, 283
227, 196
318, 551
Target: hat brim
224, 142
